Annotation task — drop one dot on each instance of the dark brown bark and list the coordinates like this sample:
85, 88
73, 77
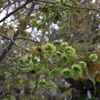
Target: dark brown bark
6, 50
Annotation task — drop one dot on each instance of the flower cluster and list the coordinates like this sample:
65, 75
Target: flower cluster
42, 83
48, 50
83, 64
64, 58
93, 57
64, 44
51, 84
45, 83
60, 41
65, 72
69, 50
76, 70
58, 53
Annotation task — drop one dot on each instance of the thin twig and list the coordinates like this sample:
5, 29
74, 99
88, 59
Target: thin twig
26, 39
12, 65
15, 11
4, 36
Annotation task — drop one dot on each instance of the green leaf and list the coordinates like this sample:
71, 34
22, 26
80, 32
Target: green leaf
54, 73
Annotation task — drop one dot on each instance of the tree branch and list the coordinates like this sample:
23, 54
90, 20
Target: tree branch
6, 50
26, 39
31, 9
4, 36
15, 10
12, 65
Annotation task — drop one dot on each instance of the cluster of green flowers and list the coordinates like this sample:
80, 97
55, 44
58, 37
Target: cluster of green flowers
64, 44
48, 50
60, 49
64, 50
74, 71
69, 50
65, 72
64, 58
45, 83
82, 64
31, 61
55, 53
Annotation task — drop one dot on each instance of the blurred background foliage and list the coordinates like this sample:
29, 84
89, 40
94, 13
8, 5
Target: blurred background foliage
33, 23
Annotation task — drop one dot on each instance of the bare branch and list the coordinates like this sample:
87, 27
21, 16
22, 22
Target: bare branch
26, 39
5, 7
31, 9
15, 11
12, 65
4, 36
6, 50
